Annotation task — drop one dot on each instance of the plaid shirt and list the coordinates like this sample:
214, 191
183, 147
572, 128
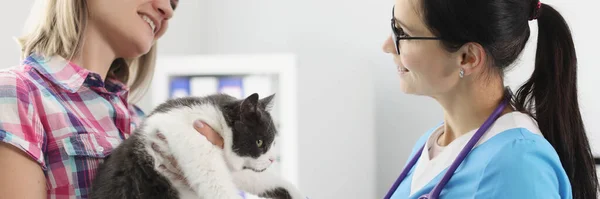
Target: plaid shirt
65, 118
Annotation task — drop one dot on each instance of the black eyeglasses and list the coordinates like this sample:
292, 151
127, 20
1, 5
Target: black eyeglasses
399, 34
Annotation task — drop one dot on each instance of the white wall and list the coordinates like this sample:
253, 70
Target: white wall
12, 18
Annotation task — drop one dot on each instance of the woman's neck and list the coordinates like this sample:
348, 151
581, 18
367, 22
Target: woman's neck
96, 54
467, 107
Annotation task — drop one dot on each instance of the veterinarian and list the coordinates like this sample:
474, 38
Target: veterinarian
492, 143
71, 101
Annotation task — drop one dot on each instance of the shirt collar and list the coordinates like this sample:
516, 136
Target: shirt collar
71, 77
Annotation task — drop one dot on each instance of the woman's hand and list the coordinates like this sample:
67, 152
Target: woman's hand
170, 167
209, 133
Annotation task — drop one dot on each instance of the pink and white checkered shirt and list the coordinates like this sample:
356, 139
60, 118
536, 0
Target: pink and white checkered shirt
66, 118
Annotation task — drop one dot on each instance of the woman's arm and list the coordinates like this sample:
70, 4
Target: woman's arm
21, 177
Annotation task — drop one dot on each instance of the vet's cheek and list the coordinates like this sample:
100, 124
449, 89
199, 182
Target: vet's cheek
412, 59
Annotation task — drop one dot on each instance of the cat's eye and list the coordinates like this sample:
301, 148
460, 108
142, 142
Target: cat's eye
259, 143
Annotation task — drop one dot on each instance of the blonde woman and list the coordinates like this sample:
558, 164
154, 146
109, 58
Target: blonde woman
71, 101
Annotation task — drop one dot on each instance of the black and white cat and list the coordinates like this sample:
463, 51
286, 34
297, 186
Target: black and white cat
133, 170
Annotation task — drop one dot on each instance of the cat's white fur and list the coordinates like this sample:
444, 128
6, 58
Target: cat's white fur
212, 172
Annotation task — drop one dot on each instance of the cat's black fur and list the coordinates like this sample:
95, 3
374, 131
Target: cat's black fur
132, 177
279, 193
246, 119
128, 173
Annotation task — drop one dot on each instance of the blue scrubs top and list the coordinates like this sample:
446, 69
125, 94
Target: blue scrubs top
515, 163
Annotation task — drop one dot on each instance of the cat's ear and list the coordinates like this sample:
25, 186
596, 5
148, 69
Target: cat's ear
267, 102
250, 104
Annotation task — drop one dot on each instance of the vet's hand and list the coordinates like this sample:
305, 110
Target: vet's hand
209, 133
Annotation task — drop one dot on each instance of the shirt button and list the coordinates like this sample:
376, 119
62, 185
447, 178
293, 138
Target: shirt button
100, 149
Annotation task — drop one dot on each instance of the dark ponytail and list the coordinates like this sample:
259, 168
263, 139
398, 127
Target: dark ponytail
551, 95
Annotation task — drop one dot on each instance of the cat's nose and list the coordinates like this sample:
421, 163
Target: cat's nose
272, 160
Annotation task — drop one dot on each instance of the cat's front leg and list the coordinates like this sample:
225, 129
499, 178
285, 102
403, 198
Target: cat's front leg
266, 184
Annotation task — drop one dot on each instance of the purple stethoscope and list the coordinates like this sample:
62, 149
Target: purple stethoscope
435, 192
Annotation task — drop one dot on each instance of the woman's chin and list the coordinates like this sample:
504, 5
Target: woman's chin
137, 50
411, 90
144, 48
405, 89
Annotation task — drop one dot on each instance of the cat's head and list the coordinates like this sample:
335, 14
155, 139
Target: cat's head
253, 133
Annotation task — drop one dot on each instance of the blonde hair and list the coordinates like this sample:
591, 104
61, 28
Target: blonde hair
56, 27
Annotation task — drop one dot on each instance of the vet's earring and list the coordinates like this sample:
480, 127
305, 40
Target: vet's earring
461, 74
